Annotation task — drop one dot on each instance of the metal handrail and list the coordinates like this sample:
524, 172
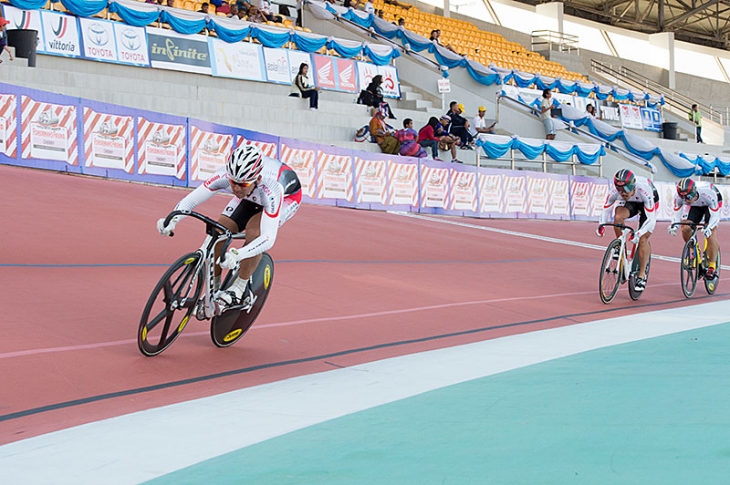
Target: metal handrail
566, 42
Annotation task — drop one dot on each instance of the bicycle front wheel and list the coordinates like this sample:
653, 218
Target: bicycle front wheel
610, 277
688, 268
169, 307
711, 286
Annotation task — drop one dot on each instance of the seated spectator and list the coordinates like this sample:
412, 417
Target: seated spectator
306, 88
170, 3
373, 96
427, 138
591, 110
352, 4
408, 138
204, 7
265, 8
233, 14
243, 7
447, 142
435, 36
383, 134
224, 8
479, 123
256, 16
380, 14
242, 14
459, 126
402, 22
368, 7
398, 4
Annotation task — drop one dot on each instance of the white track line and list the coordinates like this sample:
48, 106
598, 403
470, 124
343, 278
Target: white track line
148, 444
527, 235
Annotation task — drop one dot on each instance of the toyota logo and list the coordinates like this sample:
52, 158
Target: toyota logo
130, 39
98, 35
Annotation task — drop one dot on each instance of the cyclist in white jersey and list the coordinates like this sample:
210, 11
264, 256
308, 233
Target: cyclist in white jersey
633, 195
266, 194
704, 203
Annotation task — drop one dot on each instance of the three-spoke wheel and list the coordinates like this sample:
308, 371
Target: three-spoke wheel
610, 278
170, 305
689, 268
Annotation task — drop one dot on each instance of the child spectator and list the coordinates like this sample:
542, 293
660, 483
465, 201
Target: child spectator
4, 39
408, 139
306, 88
204, 7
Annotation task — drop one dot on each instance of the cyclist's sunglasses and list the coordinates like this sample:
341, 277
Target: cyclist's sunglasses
688, 195
625, 188
242, 184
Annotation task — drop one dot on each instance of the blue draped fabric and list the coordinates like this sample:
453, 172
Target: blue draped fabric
378, 59
483, 78
228, 34
28, 4
588, 158
84, 8
583, 91
416, 42
344, 51
136, 18
566, 87
307, 43
362, 21
495, 150
529, 151
559, 155
270, 38
182, 25
532, 149
541, 84
706, 166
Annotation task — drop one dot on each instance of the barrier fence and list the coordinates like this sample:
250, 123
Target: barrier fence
56, 132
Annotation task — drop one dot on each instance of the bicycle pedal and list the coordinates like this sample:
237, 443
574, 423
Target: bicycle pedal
199, 311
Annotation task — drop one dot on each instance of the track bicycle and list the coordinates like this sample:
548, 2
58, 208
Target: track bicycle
620, 264
187, 288
693, 263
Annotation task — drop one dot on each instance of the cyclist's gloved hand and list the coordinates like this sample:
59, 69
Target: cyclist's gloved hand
636, 238
167, 230
600, 231
672, 230
707, 232
232, 259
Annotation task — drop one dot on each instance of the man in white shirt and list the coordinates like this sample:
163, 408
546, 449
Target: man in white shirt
480, 124
369, 8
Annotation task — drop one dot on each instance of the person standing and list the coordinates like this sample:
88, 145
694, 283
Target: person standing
545, 106
4, 39
696, 117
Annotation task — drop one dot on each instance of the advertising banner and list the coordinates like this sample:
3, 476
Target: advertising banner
515, 193
49, 131
178, 52
346, 78
9, 125
241, 60
559, 197
371, 179
667, 192
581, 190
296, 59
325, 72
491, 192
301, 157
209, 151
277, 66
334, 180
365, 73
538, 193
463, 193
162, 148
268, 144
98, 38
131, 44
651, 119
434, 185
631, 117
402, 183
390, 86
108, 140
60, 34
25, 19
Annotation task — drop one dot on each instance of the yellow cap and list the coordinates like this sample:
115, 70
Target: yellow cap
481, 108
461, 107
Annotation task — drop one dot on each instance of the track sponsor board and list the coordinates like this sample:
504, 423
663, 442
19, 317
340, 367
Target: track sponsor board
178, 52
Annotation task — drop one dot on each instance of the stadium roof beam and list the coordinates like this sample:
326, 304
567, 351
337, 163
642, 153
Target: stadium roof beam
690, 13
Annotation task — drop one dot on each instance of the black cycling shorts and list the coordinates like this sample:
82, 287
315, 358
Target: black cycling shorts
638, 208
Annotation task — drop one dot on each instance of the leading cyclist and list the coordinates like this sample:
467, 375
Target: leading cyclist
704, 203
633, 195
266, 194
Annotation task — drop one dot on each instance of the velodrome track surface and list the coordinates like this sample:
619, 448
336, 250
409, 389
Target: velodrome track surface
79, 256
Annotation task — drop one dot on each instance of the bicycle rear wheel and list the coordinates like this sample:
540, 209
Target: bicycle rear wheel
688, 269
610, 277
635, 295
175, 295
711, 286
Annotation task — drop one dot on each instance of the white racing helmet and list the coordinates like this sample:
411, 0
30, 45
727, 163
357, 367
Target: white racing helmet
245, 164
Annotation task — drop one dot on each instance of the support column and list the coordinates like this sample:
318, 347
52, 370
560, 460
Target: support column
554, 10
665, 40
447, 9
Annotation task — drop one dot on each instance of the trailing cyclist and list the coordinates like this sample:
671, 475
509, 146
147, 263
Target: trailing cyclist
633, 195
266, 194
705, 203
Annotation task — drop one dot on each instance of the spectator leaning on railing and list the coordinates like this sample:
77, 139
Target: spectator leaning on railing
545, 106
696, 117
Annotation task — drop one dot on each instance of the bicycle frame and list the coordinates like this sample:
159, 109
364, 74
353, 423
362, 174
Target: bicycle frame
625, 261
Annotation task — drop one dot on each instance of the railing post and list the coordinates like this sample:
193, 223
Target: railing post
512, 158
544, 162
600, 165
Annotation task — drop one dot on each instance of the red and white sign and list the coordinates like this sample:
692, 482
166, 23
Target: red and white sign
131, 44
61, 34
346, 75
267, 148
631, 117
8, 125
334, 176
434, 187
463, 194
581, 198
559, 197
161, 148
598, 199
365, 73
325, 69
371, 181
48, 131
402, 183
208, 152
390, 86
302, 162
108, 140
515, 195
538, 195
491, 193
24, 19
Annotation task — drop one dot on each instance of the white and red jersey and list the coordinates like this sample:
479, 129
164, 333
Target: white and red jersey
709, 197
269, 193
645, 194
